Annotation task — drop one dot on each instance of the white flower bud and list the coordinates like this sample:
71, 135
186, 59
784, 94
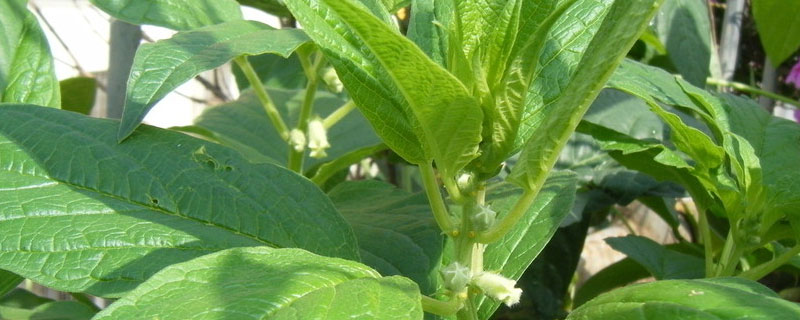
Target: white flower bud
498, 287
331, 80
317, 138
297, 140
484, 218
456, 277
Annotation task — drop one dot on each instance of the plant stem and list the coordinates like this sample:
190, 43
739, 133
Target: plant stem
765, 268
295, 162
508, 221
729, 258
435, 198
441, 308
338, 114
263, 96
705, 233
750, 89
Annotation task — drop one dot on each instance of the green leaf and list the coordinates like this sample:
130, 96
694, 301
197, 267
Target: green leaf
617, 32
645, 81
173, 14
56, 310
661, 262
274, 7
513, 253
274, 71
160, 67
8, 281
546, 283
418, 108
778, 28
719, 298
80, 94
615, 275
27, 74
684, 27
396, 231
264, 283
425, 27
243, 125
80, 212
23, 299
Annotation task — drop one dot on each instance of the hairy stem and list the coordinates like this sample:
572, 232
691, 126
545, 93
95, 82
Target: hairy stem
263, 96
509, 220
750, 89
295, 162
338, 114
435, 198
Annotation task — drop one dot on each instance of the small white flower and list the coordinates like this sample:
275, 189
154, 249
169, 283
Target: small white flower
297, 140
498, 287
317, 138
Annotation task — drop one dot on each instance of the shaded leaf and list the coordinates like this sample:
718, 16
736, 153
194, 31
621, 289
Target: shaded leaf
515, 251
160, 67
80, 212
616, 275
778, 28
274, 7
274, 71
56, 310
27, 74
264, 283
684, 27
396, 230
661, 262
8, 281
173, 14
80, 94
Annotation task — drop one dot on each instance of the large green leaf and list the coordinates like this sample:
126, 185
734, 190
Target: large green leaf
243, 125
617, 32
265, 283
425, 27
396, 231
661, 262
26, 66
616, 275
418, 108
161, 67
173, 14
80, 212
684, 27
274, 71
515, 251
717, 299
778, 27
80, 94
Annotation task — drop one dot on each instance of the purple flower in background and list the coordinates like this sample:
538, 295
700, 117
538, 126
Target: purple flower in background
797, 115
794, 76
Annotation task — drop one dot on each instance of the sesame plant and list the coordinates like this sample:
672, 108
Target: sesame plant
246, 214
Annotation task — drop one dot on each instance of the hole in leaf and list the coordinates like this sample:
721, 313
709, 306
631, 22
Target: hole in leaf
154, 201
228, 168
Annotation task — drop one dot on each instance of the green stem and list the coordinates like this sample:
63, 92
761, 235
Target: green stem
435, 199
729, 258
452, 189
750, 89
338, 114
509, 220
296, 157
765, 268
263, 96
441, 308
705, 233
